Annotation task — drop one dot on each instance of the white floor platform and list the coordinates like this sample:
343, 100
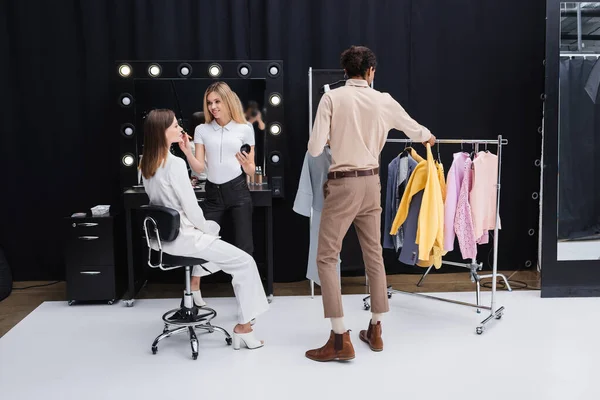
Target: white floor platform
542, 349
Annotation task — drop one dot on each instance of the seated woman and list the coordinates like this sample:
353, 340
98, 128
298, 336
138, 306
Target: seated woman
166, 181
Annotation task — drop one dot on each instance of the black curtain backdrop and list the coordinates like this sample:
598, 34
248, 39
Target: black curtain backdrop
462, 68
578, 165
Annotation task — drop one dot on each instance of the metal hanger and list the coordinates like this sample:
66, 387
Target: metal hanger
322, 90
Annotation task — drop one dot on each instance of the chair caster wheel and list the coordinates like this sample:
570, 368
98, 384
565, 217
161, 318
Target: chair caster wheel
194, 356
389, 295
71, 302
499, 316
111, 302
479, 330
228, 341
129, 303
154, 349
367, 307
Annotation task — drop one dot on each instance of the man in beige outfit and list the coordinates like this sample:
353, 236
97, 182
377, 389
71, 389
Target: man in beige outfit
355, 120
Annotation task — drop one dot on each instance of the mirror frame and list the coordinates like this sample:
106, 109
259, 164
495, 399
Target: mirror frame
170, 70
566, 278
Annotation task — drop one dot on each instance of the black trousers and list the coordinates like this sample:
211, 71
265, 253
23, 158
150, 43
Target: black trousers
232, 197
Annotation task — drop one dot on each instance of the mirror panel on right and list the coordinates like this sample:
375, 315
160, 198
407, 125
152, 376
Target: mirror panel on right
578, 208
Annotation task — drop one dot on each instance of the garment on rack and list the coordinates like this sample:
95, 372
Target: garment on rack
463, 220
406, 236
390, 201
407, 166
454, 182
483, 195
430, 230
399, 170
309, 203
440, 171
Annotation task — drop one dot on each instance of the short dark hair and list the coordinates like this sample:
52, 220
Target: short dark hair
357, 60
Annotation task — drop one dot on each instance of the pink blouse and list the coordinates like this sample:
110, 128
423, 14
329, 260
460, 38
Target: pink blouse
453, 184
463, 222
483, 195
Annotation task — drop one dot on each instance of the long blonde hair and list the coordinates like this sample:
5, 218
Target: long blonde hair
231, 100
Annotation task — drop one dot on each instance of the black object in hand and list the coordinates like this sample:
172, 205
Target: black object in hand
245, 148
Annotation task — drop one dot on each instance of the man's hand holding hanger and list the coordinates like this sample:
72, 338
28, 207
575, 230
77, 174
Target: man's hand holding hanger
431, 141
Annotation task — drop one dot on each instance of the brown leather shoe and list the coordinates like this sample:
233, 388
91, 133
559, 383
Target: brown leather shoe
372, 336
337, 348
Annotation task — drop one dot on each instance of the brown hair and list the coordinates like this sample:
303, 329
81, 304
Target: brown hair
156, 147
231, 100
357, 60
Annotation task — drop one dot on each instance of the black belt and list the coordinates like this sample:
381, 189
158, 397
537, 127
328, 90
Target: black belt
352, 174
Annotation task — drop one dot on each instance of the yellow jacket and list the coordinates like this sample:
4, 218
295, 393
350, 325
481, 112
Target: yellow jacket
430, 231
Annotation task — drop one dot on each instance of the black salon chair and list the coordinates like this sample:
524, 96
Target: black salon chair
161, 224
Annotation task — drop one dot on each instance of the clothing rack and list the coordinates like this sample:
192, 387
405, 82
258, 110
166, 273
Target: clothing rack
474, 266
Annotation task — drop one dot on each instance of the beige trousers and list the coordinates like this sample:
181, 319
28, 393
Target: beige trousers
351, 200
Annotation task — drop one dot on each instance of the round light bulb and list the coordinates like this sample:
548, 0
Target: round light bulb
275, 100
275, 129
154, 70
275, 158
214, 71
124, 70
185, 71
128, 160
126, 101
273, 70
128, 131
244, 71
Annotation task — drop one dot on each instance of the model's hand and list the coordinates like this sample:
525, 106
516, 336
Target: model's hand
431, 141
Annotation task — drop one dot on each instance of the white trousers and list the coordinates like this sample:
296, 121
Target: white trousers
247, 286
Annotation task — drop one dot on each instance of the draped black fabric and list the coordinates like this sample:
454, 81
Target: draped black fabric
463, 68
578, 163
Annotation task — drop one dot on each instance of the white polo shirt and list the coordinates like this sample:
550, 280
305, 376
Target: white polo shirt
220, 145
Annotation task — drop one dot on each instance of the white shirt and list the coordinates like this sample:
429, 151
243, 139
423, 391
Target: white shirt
220, 145
171, 187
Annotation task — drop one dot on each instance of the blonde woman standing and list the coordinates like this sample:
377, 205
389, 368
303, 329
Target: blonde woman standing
217, 152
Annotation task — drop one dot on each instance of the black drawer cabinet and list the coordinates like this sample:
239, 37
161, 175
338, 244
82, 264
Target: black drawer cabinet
94, 257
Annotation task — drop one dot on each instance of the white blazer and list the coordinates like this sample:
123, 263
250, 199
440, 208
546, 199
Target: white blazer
171, 187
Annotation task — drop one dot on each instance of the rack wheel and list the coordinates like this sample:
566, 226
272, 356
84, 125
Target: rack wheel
389, 295
111, 302
129, 303
194, 356
154, 349
479, 330
228, 341
71, 302
478, 311
499, 316
367, 306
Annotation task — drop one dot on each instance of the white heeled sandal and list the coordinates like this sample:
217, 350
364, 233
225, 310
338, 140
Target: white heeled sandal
198, 300
248, 339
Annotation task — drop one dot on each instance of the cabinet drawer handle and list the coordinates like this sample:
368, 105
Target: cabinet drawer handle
90, 272
89, 237
86, 224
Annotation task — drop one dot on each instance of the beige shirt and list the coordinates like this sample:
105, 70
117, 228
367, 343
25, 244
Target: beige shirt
357, 119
